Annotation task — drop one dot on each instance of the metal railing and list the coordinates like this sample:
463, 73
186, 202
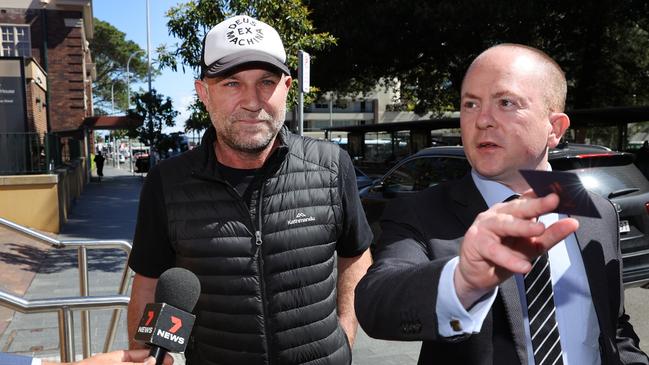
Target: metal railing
59, 304
64, 308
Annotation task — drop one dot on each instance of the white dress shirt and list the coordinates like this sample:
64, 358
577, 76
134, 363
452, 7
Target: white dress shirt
575, 314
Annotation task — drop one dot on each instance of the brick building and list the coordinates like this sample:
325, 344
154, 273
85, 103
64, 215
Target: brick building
46, 76
51, 39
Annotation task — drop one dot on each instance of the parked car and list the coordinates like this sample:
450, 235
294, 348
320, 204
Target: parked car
362, 180
607, 173
142, 163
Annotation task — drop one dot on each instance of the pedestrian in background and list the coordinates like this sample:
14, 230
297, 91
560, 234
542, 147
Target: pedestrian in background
99, 164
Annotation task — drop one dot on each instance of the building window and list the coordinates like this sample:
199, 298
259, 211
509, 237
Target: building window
15, 41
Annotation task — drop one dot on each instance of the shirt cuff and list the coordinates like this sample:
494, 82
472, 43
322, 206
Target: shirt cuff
36, 361
452, 318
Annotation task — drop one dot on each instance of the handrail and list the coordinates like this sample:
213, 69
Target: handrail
82, 246
31, 306
64, 307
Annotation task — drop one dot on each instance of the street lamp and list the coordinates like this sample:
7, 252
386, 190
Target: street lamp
112, 98
128, 78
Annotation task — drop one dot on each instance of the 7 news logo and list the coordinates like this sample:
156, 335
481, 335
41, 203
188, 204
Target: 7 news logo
177, 324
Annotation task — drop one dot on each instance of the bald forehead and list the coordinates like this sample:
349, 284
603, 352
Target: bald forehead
507, 56
531, 59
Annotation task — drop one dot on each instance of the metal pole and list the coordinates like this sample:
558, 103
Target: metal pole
148, 45
113, 153
148, 52
130, 154
331, 110
112, 329
84, 291
118, 145
300, 113
112, 99
66, 328
128, 79
86, 145
303, 72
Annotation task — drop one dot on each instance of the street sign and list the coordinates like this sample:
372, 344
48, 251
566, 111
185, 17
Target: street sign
304, 71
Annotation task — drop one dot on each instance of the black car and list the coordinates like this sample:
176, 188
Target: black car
607, 173
362, 180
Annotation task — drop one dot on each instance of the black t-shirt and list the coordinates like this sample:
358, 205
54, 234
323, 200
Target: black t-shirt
152, 252
240, 179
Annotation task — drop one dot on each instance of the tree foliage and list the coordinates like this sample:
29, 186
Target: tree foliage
190, 21
198, 119
156, 111
603, 47
110, 51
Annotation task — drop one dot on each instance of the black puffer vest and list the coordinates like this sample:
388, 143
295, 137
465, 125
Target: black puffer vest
266, 270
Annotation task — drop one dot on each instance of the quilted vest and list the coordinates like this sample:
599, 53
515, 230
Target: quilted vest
267, 269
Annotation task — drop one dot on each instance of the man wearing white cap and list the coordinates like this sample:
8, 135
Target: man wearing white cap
258, 214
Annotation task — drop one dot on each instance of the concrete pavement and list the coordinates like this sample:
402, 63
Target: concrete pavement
105, 210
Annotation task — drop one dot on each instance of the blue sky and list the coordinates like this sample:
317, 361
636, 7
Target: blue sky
129, 16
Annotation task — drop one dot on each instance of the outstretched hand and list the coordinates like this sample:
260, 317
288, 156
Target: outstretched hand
504, 240
128, 357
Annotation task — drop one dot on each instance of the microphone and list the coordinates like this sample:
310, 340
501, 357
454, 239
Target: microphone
166, 324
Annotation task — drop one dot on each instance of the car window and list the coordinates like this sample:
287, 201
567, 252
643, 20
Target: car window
423, 172
604, 176
608, 180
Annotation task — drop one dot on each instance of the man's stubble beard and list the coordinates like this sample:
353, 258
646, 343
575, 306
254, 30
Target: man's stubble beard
234, 137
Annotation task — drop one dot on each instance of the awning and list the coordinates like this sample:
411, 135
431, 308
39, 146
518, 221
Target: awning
106, 122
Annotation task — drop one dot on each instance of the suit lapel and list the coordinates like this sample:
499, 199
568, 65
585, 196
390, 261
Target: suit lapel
467, 200
468, 203
593, 261
508, 291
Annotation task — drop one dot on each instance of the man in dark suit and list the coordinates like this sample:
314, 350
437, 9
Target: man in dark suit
481, 281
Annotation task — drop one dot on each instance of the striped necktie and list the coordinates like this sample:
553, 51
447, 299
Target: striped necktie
541, 313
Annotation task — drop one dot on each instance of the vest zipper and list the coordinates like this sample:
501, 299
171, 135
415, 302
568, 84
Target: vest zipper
260, 260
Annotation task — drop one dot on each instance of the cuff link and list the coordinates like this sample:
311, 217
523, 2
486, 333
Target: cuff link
456, 325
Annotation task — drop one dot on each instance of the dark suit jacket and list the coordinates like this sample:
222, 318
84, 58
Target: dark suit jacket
396, 300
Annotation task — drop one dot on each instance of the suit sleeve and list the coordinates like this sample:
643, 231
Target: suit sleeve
397, 297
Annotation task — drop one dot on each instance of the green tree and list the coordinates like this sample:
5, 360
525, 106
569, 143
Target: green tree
603, 47
190, 21
110, 51
198, 119
156, 111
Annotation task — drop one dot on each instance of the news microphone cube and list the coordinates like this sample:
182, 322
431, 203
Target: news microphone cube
165, 326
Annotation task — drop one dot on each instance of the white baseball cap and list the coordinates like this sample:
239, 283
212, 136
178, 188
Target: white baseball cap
241, 40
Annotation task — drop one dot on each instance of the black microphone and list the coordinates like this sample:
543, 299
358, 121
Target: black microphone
166, 324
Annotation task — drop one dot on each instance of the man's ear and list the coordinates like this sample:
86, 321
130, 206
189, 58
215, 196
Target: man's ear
201, 90
559, 123
288, 81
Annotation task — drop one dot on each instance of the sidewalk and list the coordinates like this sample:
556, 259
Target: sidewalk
105, 210
31, 269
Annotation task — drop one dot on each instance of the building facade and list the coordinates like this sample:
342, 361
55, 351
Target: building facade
46, 74
51, 39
